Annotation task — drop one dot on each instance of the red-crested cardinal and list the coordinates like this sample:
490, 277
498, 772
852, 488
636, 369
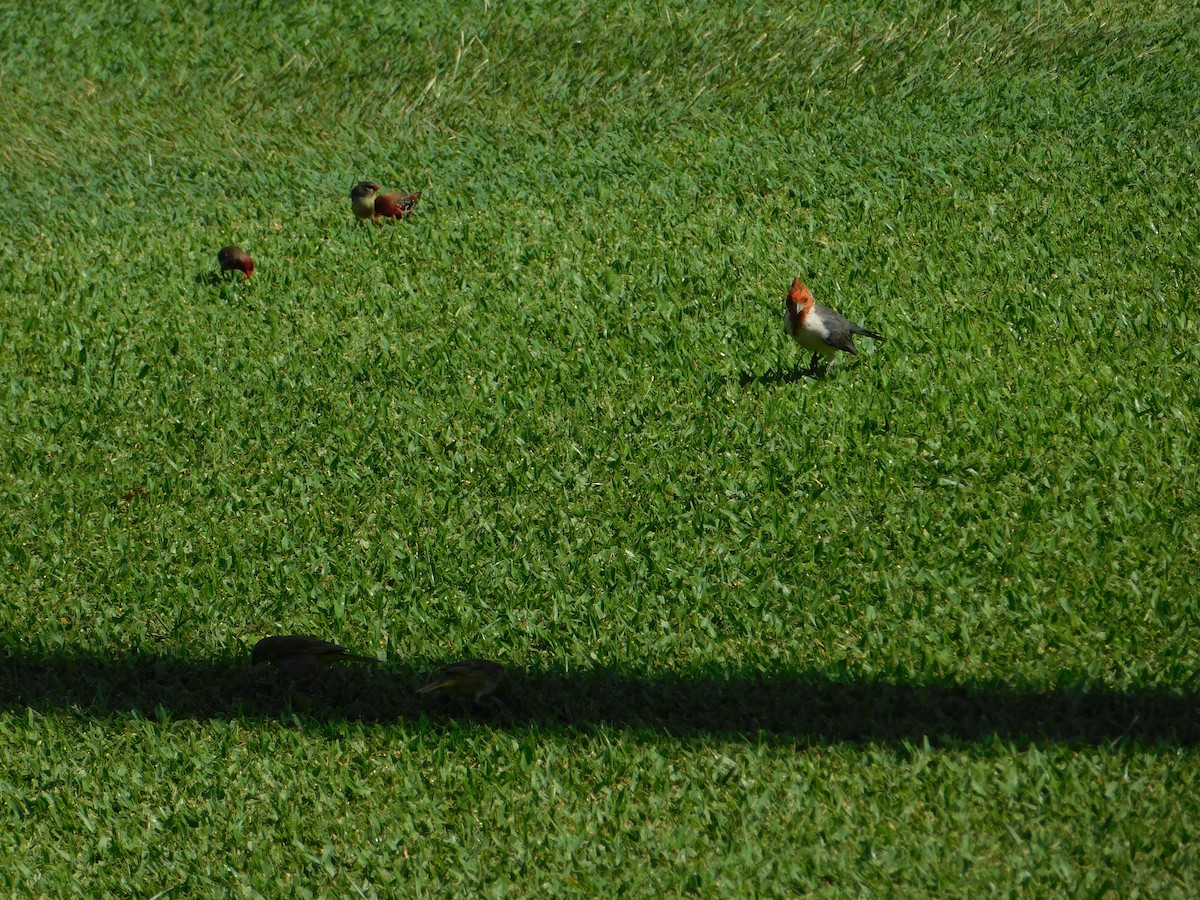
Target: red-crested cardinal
368, 203
819, 328
234, 257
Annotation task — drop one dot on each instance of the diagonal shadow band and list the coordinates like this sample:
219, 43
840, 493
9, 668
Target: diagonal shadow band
802, 706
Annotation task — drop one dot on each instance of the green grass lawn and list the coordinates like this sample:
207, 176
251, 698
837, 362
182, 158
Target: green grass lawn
923, 627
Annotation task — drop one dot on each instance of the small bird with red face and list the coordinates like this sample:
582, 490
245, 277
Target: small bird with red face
301, 654
474, 679
819, 328
234, 258
368, 203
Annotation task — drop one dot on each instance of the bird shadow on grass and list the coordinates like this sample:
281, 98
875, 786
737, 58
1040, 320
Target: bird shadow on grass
800, 707
776, 376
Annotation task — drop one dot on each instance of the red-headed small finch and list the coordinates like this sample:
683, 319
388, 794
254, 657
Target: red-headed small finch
819, 328
301, 654
475, 679
234, 257
368, 203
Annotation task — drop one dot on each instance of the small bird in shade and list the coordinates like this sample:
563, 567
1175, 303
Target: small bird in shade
368, 203
475, 679
819, 328
234, 257
301, 654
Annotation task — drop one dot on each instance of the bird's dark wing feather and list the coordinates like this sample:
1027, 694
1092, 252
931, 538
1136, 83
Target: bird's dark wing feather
841, 330
309, 644
866, 333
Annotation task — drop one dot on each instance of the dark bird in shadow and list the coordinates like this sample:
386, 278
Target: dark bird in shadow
301, 654
475, 679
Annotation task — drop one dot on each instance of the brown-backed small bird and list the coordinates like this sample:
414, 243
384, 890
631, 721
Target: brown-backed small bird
474, 679
368, 203
819, 328
301, 654
234, 257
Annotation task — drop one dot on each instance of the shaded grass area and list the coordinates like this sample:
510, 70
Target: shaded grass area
806, 707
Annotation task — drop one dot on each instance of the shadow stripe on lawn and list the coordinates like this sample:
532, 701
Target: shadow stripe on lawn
806, 706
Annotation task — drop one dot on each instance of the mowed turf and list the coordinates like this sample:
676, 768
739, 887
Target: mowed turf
925, 626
